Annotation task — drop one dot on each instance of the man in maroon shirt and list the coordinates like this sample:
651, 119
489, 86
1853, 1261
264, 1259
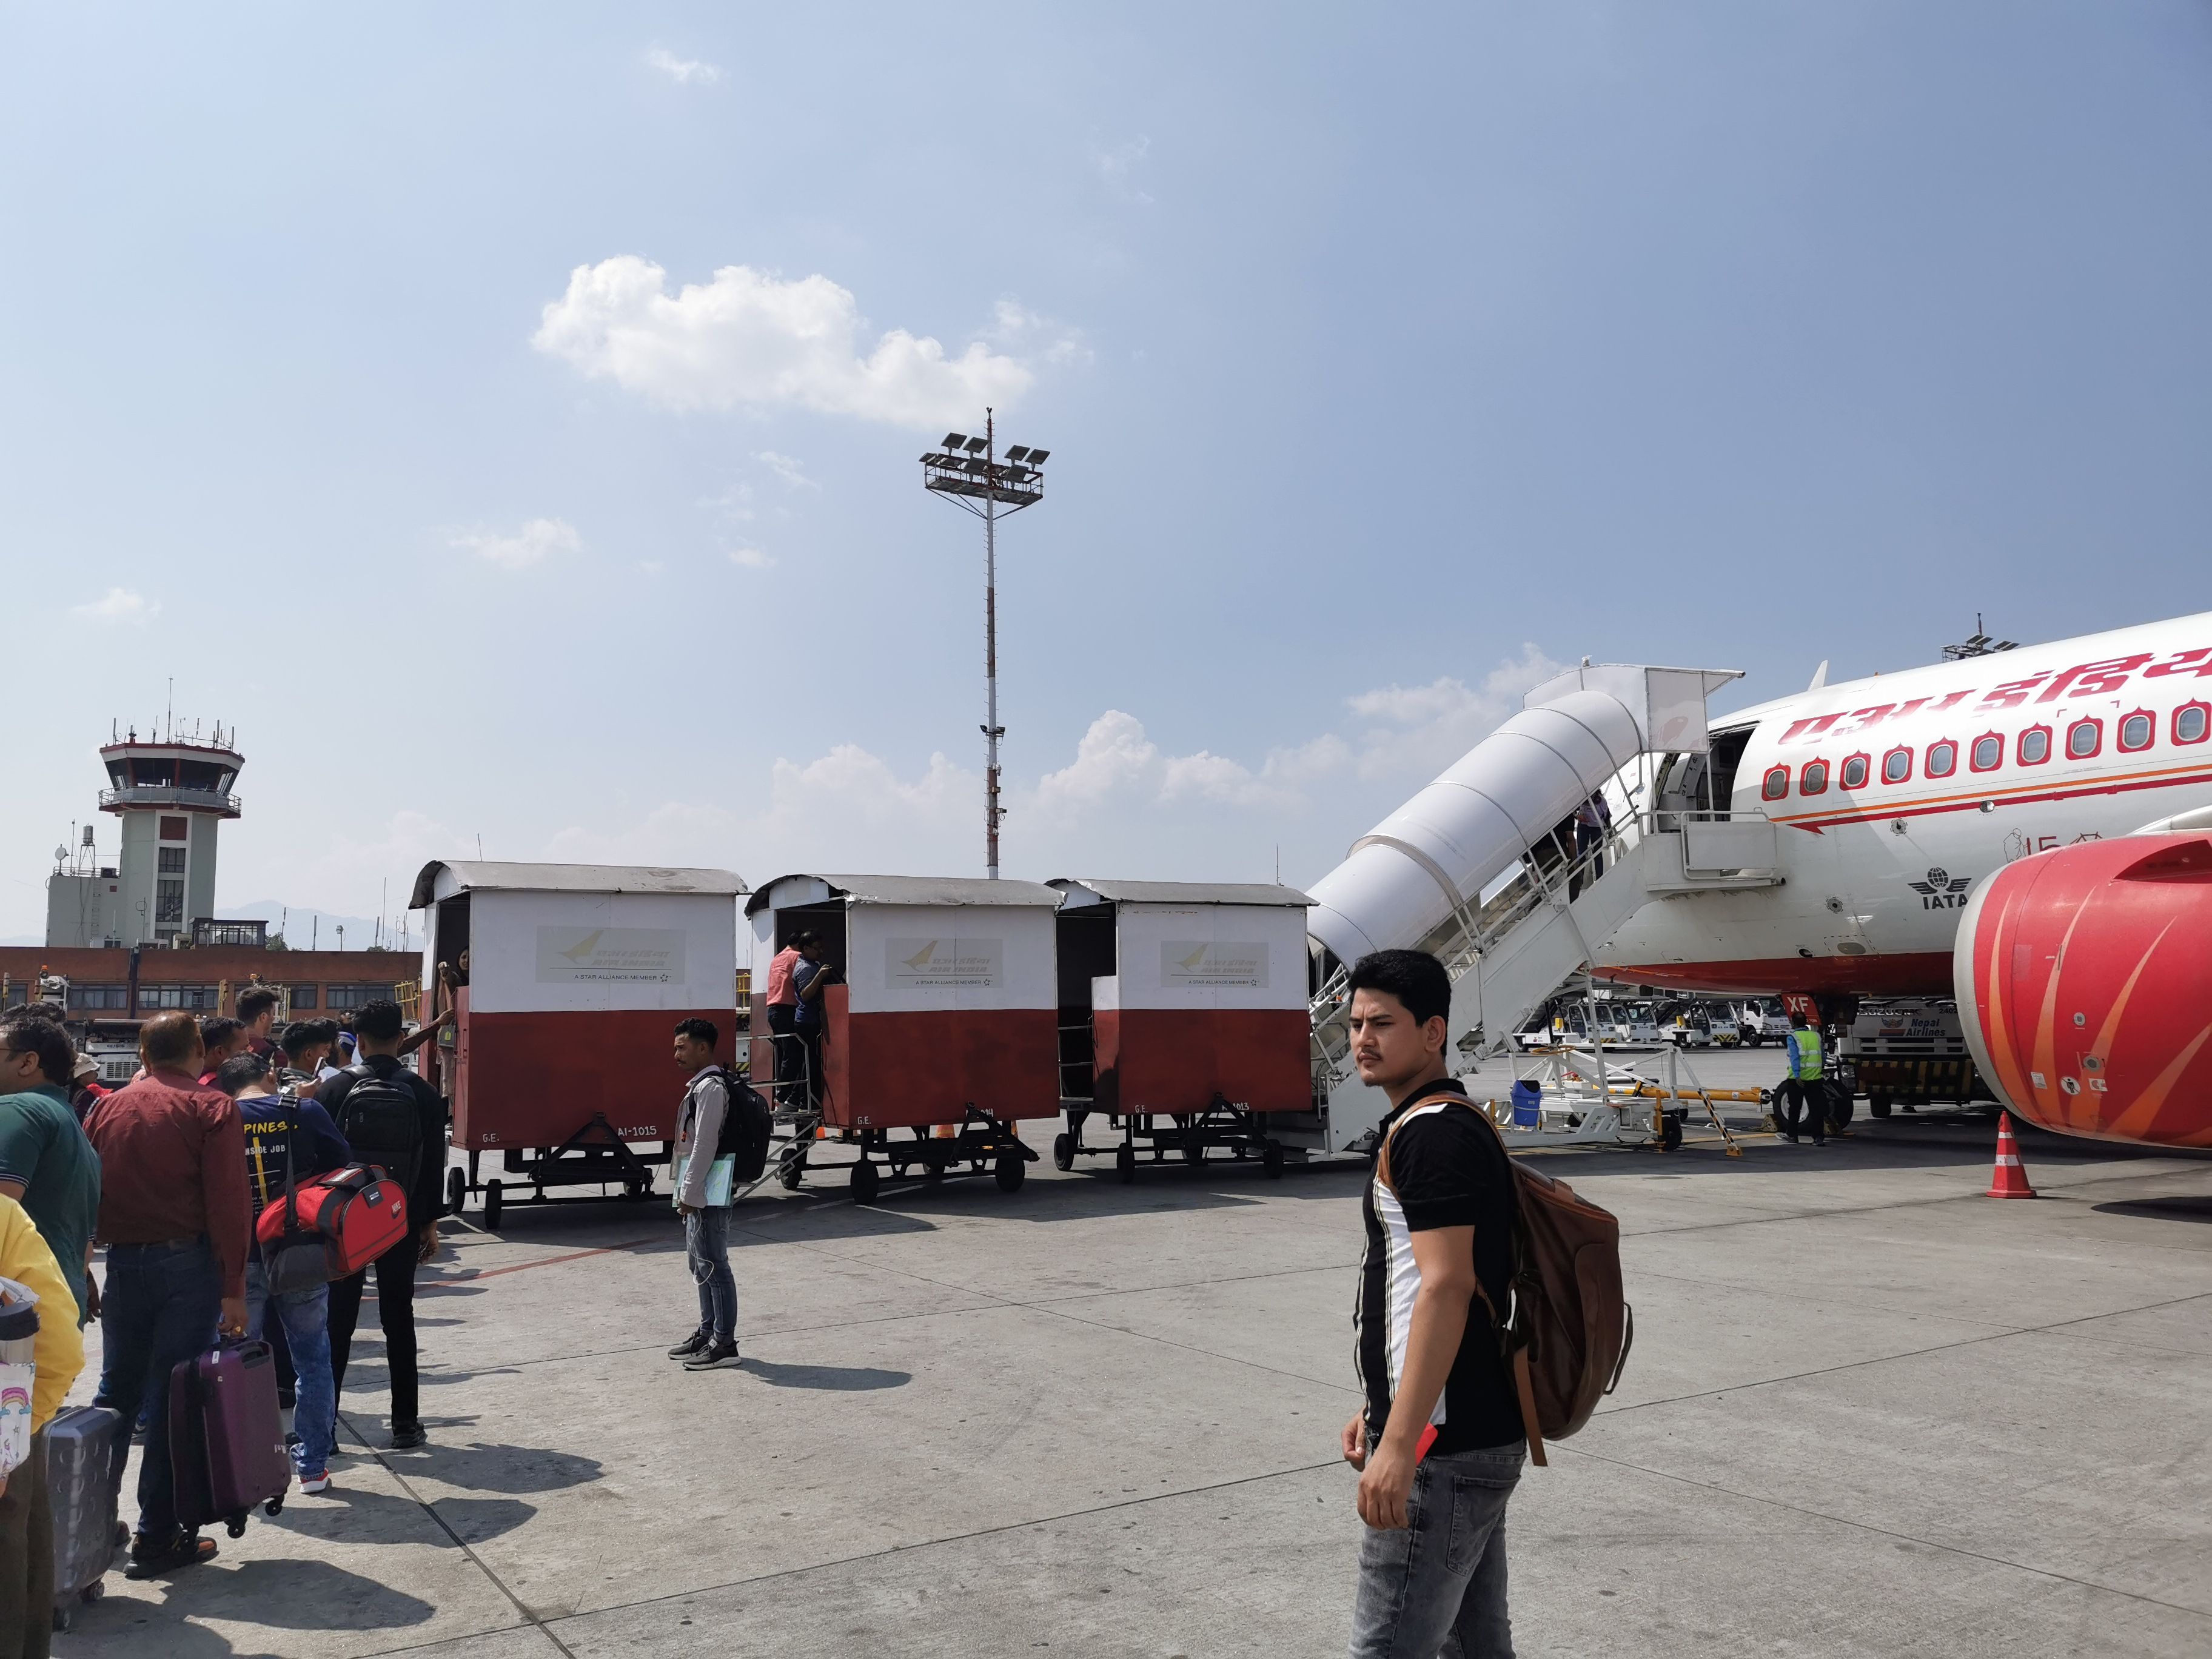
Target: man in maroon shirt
175, 1215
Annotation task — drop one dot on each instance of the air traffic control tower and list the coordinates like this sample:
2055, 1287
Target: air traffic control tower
172, 792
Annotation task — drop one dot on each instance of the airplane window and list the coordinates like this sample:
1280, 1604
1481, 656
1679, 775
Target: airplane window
2084, 738
1855, 771
1989, 752
1814, 780
1897, 766
2035, 745
2189, 722
1943, 758
1776, 785
2135, 731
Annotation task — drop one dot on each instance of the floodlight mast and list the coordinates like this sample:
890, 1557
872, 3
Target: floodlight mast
1014, 486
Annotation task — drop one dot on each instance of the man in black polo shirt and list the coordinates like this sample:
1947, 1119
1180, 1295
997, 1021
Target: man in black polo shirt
417, 1156
1439, 1443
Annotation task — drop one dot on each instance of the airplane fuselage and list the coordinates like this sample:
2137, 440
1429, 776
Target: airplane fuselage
1897, 795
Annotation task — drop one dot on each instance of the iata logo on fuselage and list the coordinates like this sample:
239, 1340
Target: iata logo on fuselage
1942, 891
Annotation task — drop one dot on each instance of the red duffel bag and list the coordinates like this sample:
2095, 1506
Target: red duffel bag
356, 1213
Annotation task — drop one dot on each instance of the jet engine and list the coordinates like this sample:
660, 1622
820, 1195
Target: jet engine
2084, 979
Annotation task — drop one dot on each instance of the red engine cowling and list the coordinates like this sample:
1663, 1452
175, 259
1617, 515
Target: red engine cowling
2084, 978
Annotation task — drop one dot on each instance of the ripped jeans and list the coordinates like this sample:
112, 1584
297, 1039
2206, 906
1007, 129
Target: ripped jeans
707, 1248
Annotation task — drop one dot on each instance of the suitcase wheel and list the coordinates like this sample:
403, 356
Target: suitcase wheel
274, 1506
93, 1591
64, 1618
236, 1525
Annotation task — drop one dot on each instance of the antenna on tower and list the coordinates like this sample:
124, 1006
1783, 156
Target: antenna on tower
1981, 645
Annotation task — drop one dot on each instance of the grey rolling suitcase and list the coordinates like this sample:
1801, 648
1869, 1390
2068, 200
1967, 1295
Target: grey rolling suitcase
85, 1447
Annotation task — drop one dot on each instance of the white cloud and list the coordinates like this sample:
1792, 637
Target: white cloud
652, 567
527, 546
1120, 806
1117, 164
118, 604
791, 471
750, 558
750, 338
684, 71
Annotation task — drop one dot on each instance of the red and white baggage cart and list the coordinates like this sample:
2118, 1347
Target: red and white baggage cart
1183, 1019
575, 976
938, 1028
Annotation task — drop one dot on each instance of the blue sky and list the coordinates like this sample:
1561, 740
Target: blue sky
1385, 355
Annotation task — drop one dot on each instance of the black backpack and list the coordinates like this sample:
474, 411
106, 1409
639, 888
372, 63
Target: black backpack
744, 1134
383, 1124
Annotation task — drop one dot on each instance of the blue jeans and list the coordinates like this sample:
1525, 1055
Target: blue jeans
158, 1308
305, 1317
707, 1248
1436, 1588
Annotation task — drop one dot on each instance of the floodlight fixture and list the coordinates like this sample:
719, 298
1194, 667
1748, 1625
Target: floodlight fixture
968, 473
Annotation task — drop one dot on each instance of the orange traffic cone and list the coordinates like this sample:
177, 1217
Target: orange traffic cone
2009, 1178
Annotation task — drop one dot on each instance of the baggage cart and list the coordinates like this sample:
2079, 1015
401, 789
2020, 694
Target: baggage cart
1183, 1021
937, 1035
574, 976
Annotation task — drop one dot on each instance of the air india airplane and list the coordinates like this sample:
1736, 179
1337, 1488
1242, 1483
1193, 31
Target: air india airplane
2029, 829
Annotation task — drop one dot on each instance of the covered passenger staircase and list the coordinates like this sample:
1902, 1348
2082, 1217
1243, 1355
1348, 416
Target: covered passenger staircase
1483, 870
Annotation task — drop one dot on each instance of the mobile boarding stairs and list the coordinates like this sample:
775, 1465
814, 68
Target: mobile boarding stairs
1480, 868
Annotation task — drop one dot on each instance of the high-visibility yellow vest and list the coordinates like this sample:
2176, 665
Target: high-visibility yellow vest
1807, 1069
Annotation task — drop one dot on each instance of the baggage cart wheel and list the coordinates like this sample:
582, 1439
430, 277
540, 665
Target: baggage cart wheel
1063, 1152
1125, 1163
792, 1169
1271, 1160
457, 1189
1878, 1105
1010, 1172
495, 1204
1194, 1154
866, 1180
1670, 1131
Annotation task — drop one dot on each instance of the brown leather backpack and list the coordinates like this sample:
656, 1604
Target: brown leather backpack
1567, 1340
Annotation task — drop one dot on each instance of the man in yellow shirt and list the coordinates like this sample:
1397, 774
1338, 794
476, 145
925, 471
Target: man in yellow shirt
26, 1521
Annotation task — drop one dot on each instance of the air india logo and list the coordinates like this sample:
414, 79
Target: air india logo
1942, 891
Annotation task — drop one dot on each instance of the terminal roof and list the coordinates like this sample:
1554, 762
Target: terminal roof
1187, 892
913, 890
570, 878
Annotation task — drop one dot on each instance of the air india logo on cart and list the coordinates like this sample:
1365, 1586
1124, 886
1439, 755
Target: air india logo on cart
636, 956
939, 964
1238, 964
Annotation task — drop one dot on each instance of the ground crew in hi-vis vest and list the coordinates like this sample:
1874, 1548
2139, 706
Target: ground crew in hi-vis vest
1802, 1094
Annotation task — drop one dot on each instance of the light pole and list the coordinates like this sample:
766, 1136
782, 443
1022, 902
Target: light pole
968, 473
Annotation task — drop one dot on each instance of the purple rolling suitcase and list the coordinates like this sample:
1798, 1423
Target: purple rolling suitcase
227, 1436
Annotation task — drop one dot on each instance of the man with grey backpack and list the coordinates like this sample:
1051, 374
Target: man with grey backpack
721, 1142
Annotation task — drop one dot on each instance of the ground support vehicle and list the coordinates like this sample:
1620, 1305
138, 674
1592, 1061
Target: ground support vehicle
1183, 1021
570, 979
937, 1033
1910, 1052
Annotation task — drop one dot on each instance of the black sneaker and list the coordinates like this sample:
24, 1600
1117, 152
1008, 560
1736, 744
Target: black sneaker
184, 1549
695, 1343
714, 1356
405, 1436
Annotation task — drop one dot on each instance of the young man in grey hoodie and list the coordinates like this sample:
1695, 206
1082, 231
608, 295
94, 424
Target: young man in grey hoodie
713, 1345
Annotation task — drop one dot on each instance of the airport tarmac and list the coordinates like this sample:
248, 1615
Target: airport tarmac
1869, 1411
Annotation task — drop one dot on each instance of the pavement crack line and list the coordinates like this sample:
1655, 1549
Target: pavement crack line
429, 1507
1885, 1532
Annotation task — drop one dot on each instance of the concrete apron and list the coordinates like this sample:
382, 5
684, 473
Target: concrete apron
1868, 1413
